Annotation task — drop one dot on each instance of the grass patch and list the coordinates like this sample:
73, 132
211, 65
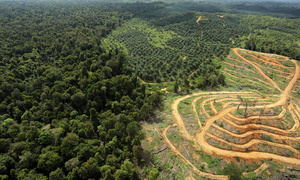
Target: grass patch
239, 112
288, 64
218, 106
211, 162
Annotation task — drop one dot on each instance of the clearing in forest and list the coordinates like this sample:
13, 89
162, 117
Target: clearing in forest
254, 120
198, 19
201, 18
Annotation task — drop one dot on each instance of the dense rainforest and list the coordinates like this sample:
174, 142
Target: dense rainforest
71, 98
69, 107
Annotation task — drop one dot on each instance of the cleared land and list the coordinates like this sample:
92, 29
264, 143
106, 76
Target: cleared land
258, 120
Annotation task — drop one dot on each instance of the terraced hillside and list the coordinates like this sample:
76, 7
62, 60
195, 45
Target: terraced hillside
256, 119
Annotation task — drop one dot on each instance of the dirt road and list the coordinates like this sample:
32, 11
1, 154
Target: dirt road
236, 51
198, 19
175, 150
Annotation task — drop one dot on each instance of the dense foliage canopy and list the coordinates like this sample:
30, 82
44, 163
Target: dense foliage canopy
274, 35
69, 107
167, 48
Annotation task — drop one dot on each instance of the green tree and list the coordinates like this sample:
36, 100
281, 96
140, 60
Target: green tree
133, 128
176, 86
26, 174
27, 160
4, 145
13, 130
93, 116
69, 143
45, 138
79, 99
153, 174
130, 170
49, 161
6, 164
71, 164
186, 84
233, 171
89, 169
145, 111
57, 175
213, 80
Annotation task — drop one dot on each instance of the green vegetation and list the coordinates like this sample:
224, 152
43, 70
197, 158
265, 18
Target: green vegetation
274, 35
70, 108
233, 171
211, 162
71, 100
161, 50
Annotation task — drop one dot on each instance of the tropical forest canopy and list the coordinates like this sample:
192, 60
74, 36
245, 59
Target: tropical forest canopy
71, 98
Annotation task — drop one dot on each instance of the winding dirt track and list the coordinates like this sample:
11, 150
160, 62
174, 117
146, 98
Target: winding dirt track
194, 109
174, 149
258, 69
227, 116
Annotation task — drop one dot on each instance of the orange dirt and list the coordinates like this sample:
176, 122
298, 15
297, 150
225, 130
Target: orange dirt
268, 60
